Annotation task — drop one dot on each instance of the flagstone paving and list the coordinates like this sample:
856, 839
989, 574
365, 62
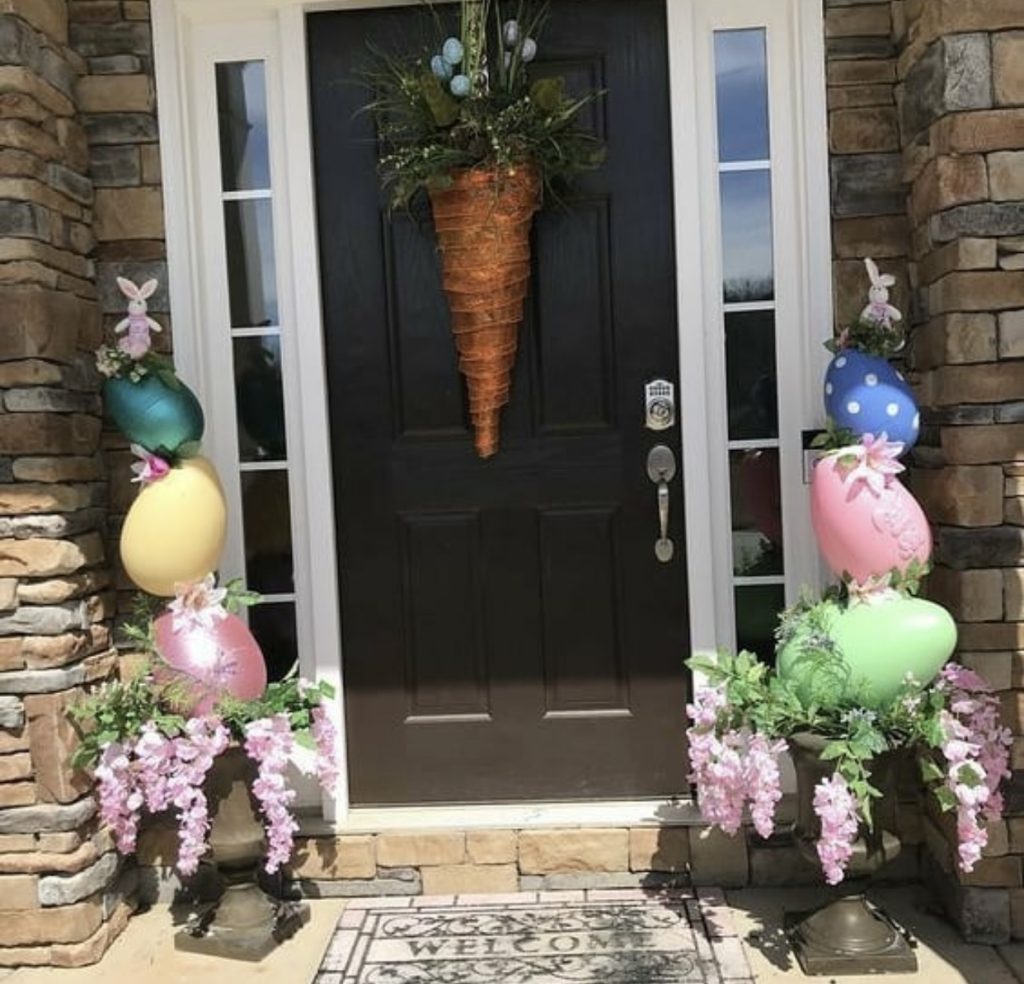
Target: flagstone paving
695, 933
611, 937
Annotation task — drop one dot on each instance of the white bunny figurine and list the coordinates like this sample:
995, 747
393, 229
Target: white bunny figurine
138, 324
878, 309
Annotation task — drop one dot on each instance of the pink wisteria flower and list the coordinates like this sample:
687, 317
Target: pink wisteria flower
269, 742
157, 772
836, 808
197, 604
976, 748
733, 768
119, 796
874, 461
149, 468
325, 735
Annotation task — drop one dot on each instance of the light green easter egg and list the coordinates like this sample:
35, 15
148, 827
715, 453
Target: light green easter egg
876, 646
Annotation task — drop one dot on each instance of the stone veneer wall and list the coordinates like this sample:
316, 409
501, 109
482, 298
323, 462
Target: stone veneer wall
454, 861
62, 898
961, 98
118, 104
869, 216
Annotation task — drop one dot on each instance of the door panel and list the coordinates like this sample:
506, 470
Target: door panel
507, 631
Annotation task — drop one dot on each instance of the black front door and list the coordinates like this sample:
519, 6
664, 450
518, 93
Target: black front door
507, 630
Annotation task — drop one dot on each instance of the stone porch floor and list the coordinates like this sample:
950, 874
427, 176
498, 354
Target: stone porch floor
751, 917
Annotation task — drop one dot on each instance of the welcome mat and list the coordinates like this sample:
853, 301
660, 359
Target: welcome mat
595, 937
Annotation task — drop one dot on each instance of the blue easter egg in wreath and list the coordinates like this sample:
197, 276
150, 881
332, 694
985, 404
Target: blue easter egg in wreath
865, 394
452, 51
441, 68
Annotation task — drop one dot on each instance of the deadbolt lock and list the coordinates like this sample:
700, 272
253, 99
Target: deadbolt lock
659, 405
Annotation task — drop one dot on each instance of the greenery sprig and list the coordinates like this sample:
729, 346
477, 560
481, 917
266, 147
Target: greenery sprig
117, 711
759, 699
114, 363
870, 337
505, 119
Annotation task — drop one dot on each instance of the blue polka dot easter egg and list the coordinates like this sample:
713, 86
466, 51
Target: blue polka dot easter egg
866, 395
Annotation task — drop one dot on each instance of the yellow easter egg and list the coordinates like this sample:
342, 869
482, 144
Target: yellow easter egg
174, 531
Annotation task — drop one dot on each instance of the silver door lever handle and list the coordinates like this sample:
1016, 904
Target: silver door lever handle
661, 469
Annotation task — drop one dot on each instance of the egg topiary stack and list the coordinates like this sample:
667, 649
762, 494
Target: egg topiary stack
174, 532
871, 531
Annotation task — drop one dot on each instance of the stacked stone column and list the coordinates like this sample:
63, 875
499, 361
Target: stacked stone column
117, 100
63, 896
961, 100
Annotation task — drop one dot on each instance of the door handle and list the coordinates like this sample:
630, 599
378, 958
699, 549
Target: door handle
661, 469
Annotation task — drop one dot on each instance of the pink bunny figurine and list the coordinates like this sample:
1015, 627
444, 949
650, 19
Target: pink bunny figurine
879, 310
138, 324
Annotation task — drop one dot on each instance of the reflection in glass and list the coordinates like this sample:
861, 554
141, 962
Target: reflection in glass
259, 397
747, 236
758, 607
273, 625
267, 531
242, 122
751, 381
756, 512
252, 287
741, 95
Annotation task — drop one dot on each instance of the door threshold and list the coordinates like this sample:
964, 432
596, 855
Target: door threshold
517, 816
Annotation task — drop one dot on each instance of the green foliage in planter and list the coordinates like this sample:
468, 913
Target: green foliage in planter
117, 711
760, 700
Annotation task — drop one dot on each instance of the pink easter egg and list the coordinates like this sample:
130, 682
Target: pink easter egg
223, 659
864, 532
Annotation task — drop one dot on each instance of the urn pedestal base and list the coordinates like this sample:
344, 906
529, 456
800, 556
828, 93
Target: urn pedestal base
848, 935
245, 923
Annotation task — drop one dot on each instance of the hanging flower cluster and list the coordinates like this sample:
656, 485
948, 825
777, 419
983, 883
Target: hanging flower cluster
836, 808
732, 767
269, 742
976, 749
162, 763
741, 720
158, 772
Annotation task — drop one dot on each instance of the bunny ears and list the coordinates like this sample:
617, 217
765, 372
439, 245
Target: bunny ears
878, 279
135, 293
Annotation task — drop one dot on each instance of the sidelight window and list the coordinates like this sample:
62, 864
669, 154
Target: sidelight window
748, 305
263, 541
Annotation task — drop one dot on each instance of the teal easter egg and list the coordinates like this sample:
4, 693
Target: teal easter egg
876, 646
159, 417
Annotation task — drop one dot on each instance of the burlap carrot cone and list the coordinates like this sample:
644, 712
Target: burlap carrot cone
482, 221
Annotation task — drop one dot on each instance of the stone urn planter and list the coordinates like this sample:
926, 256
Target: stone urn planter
848, 935
244, 923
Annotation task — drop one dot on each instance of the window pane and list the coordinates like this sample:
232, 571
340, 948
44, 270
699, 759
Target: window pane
266, 523
242, 120
259, 398
741, 95
758, 607
747, 236
252, 287
273, 625
750, 375
756, 512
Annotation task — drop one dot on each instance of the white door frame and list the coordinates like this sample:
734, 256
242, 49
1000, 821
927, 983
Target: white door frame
185, 30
